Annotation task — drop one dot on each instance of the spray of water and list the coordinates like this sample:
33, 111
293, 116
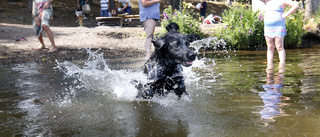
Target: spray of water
210, 43
96, 76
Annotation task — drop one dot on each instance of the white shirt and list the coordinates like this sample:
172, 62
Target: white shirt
104, 4
124, 2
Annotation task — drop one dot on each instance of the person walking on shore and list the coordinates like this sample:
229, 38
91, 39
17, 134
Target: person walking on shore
42, 14
149, 13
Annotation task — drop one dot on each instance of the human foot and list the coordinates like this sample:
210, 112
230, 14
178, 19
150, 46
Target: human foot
40, 48
52, 50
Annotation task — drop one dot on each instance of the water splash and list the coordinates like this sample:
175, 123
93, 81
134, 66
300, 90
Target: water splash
210, 43
95, 75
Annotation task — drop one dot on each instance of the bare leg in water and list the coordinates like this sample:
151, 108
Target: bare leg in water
50, 35
277, 43
149, 26
280, 48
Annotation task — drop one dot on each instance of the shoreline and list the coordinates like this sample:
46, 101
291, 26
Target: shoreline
114, 41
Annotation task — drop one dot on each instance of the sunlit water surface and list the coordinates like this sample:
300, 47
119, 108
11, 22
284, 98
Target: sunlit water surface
230, 95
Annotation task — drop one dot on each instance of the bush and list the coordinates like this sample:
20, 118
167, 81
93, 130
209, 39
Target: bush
187, 23
244, 28
294, 25
313, 25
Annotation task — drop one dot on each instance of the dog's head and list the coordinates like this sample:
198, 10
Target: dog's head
174, 46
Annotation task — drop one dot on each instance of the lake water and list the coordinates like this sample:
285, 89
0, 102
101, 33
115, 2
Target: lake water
231, 94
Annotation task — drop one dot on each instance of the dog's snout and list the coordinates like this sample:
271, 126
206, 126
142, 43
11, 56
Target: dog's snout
192, 56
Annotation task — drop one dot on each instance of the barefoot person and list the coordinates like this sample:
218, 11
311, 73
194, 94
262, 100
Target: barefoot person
275, 28
42, 14
149, 13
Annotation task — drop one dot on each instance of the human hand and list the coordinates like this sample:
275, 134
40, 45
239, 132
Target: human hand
46, 5
284, 15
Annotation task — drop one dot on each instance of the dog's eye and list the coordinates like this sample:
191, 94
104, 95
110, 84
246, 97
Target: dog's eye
175, 44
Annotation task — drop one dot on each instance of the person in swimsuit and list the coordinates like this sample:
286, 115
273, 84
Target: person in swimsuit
274, 26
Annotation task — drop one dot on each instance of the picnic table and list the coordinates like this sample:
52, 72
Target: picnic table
119, 18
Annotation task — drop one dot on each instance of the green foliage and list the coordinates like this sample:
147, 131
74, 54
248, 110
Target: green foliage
294, 25
243, 28
187, 23
317, 16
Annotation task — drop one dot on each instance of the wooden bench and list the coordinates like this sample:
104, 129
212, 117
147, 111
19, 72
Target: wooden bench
104, 20
120, 18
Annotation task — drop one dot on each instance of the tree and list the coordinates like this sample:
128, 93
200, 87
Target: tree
112, 4
311, 8
175, 4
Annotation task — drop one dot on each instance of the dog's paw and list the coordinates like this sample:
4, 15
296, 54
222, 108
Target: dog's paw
147, 94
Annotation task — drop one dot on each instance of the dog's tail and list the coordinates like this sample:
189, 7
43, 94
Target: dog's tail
172, 27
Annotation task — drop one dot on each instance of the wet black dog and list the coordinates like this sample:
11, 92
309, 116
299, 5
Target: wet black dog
163, 69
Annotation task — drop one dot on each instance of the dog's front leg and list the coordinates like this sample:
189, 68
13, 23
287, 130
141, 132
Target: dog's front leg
179, 87
144, 90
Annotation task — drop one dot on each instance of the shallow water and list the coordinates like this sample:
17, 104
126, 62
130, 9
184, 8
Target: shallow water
230, 95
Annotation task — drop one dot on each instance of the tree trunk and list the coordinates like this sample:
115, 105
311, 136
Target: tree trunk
311, 8
112, 4
175, 4
30, 4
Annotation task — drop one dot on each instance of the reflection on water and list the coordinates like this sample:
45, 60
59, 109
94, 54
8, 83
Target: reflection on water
229, 96
272, 96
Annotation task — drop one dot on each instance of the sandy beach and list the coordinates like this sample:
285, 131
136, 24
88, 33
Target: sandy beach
114, 41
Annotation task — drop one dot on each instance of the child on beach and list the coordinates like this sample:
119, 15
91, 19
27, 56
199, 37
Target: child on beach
275, 28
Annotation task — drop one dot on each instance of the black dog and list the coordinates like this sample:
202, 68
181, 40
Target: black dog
163, 69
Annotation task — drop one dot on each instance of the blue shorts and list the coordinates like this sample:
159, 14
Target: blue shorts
104, 13
127, 10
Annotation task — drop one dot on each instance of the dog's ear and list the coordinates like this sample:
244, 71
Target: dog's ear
158, 43
172, 27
